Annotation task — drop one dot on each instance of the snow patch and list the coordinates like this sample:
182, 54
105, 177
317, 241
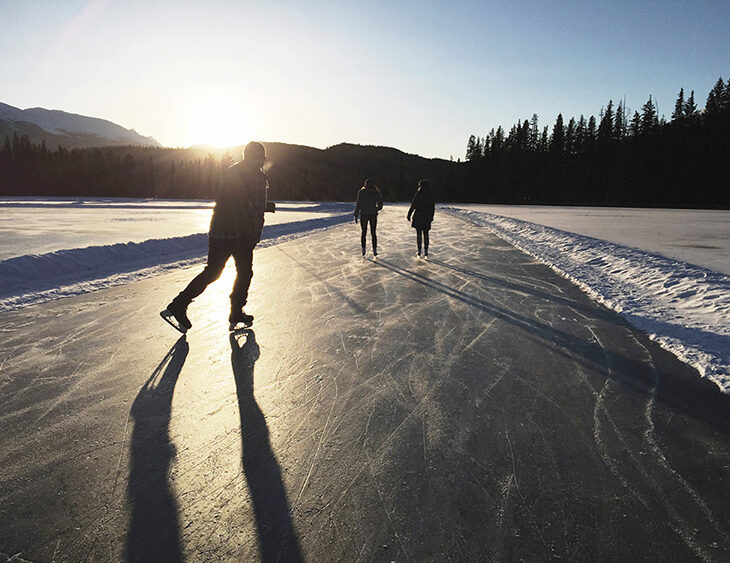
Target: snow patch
685, 308
32, 279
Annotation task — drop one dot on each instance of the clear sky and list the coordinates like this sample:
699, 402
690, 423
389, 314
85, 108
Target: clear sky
420, 76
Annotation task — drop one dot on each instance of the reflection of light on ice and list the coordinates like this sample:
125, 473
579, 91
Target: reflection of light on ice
214, 305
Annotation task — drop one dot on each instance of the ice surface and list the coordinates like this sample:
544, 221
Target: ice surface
684, 307
39, 226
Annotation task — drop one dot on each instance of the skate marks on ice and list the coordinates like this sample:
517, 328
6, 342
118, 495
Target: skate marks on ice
483, 392
473, 407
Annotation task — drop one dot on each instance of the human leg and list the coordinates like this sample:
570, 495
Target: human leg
364, 231
419, 233
218, 253
219, 250
373, 226
243, 255
425, 242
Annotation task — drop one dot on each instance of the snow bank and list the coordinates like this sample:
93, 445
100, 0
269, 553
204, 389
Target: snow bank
37, 278
685, 308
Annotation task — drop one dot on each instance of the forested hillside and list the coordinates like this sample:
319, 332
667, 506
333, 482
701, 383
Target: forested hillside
295, 172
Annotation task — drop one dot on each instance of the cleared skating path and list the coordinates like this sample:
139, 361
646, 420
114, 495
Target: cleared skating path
475, 407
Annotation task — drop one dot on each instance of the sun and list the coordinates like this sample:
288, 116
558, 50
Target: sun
218, 122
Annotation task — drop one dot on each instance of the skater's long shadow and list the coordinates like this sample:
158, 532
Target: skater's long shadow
681, 387
154, 530
278, 539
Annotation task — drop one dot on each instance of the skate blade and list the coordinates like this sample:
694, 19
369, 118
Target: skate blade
234, 327
169, 318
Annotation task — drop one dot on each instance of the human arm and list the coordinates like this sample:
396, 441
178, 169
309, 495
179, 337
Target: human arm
270, 205
414, 203
358, 205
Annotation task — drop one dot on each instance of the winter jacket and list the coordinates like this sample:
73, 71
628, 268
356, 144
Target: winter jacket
369, 202
422, 209
240, 203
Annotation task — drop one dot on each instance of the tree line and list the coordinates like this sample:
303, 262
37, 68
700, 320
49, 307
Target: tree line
297, 172
619, 158
115, 171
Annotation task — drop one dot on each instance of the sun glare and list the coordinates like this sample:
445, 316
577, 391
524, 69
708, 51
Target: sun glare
217, 122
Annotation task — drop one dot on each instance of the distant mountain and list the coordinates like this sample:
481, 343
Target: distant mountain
69, 130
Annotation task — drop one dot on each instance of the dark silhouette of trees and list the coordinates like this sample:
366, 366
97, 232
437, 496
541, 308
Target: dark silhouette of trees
622, 158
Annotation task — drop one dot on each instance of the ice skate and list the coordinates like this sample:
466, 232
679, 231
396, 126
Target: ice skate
239, 320
176, 315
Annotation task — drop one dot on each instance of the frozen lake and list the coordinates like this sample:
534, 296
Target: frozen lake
665, 271
39, 226
700, 237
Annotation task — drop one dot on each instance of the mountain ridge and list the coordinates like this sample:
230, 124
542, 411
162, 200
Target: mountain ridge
70, 130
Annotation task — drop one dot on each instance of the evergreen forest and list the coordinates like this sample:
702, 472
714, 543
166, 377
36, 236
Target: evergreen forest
617, 159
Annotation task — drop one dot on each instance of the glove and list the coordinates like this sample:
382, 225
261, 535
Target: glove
271, 207
356, 218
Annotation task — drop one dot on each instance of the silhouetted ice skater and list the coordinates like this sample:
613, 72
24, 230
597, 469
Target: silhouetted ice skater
422, 210
235, 229
369, 202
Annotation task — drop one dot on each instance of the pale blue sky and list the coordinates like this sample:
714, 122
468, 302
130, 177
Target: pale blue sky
419, 76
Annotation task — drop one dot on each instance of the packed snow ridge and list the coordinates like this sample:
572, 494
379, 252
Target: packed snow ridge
685, 308
37, 278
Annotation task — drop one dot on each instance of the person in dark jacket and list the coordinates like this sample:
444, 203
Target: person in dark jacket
235, 229
369, 202
422, 210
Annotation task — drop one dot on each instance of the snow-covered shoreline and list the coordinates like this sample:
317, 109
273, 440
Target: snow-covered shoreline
685, 308
38, 278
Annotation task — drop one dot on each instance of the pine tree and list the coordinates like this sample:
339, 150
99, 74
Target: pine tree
690, 107
498, 142
557, 140
534, 136
580, 134
471, 148
570, 136
619, 128
605, 128
725, 98
649, 120
591, 130
478, 149
714, 98
679, 106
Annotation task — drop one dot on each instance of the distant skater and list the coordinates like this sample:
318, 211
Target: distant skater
422, 210
369, 202
235, 229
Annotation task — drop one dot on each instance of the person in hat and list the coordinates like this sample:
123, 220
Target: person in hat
235, 229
